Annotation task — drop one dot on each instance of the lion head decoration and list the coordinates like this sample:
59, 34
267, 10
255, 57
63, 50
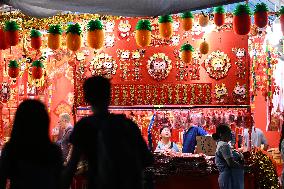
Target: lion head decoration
217, 65
159, 66
240, 93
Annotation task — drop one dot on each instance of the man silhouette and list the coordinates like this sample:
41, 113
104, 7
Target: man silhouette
111, 144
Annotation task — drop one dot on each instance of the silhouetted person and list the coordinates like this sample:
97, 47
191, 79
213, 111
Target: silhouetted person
112, 144
29, 159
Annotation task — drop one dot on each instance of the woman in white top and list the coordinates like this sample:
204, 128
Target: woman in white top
165, 144
231, 173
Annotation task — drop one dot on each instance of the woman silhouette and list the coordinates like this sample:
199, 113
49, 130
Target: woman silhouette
30, 159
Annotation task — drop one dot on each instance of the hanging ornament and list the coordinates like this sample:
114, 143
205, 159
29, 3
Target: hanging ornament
281, 13
74, 39
3, 43
54, 37
241, 20
13, 70
203, 20
143, 33
12, 33
261, 15
36, 41
204, 47
219, 16
165, 26
186, 52
159, 66
187, 20
95, 35
37, 69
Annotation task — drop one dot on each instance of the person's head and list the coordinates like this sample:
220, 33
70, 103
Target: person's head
64, 120
166, 132
223, 133
31, 123
195, 120
97, 92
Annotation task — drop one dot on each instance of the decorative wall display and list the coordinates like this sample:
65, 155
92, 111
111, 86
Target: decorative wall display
240, 62
221, 94
159, 66
124, 30
240, 93
217, 64
103, 65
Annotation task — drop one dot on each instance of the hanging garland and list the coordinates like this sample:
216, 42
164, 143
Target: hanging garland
143, 33
159, 66
241, 19
13, 71
219, 15
74, 39
12, 33
36, 41
95, 35
217, 65
187, 20
165, 26
54, 37
261, 15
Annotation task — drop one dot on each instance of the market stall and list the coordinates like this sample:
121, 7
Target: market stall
166, 68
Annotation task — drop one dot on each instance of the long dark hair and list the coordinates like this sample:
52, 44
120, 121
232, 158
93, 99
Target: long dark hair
282, 136
31, 125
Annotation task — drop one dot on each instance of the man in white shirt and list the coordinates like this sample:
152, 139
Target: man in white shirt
257, 138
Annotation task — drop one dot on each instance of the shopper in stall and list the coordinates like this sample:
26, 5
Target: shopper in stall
228, 162
65, 129
257, 136
165, 145
192, 129
112, 144
29, 159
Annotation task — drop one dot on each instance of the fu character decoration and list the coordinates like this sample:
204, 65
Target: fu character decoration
219, 16
12, 33
37, 71
95, 35
74, 39
166, 26
186, 52
13, 70
54, 37
261, 15
143, 33
3, 43
241, 19
187, 20
36, 41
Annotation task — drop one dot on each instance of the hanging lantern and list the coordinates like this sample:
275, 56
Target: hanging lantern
204, 47
37, 67
187, 19
54, 37
186, 52
261, 15
281, 13
95, 35
74, 39
241, 20
13, 70
203, 20
12, 33
3, 43
143, 33
165, 26
36, 41
219, 15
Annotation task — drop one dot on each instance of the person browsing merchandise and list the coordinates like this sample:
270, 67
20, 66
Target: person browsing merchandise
192, 129
165, 145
